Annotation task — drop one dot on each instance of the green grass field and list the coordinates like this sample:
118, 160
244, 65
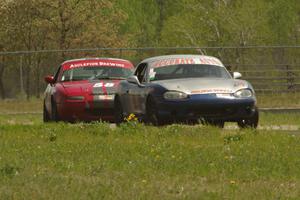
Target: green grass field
21, 106
93, 161
133, 161
284, 100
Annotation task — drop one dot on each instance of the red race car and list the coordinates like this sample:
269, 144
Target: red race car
84, 89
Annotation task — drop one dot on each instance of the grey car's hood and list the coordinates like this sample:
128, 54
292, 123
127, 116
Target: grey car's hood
204, 85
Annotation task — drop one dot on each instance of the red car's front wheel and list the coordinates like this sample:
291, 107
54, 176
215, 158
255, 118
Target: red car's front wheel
118, 112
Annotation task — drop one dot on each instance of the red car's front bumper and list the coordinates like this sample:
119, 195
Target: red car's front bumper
74, 110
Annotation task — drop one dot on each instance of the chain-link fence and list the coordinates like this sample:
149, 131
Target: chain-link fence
270, 69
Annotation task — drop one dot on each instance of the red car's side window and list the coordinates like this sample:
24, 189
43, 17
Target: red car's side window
57, 74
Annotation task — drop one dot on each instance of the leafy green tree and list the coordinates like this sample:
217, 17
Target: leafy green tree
84, 23
283, 21
141, 21
283, 17
59, 24
66, 24
24, 31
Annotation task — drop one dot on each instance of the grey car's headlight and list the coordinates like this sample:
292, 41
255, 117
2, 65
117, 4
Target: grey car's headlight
244, 93
174, 95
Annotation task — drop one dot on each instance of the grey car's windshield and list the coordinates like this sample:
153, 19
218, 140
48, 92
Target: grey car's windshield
96, 72
188, 71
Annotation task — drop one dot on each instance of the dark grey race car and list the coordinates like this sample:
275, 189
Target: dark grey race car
186, 88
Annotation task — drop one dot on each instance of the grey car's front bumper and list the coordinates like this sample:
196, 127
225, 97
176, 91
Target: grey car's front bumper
206, 106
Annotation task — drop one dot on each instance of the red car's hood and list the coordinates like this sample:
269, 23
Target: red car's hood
90, 87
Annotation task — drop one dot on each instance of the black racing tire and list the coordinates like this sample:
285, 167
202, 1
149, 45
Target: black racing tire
251, 122
46, 117
54, 112
216, 123
118, 112
151, 113
192, 122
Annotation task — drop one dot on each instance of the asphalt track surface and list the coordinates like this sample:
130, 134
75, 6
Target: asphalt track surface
289, 128
292, 128
266, 110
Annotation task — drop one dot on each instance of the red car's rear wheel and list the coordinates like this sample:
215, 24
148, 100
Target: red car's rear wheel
46, 117
54, 112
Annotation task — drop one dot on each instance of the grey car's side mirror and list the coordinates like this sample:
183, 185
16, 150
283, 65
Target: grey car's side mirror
237, 75
134, 80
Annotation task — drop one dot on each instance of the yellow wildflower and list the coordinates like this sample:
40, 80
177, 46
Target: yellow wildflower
131, 117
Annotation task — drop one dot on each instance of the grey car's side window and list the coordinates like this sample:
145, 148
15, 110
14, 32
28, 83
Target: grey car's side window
141, 72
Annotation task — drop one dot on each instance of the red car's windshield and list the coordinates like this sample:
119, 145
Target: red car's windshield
95, 72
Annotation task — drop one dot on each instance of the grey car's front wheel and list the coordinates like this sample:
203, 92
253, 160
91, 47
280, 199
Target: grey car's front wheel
151, 112
251, 122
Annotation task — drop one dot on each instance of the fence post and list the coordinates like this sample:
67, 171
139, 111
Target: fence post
21, 76
120, 53
290, 78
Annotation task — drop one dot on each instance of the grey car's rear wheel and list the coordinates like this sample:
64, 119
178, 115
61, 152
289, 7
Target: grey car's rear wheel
118, 112
251, 122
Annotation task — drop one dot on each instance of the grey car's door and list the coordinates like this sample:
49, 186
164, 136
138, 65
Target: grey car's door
137, 92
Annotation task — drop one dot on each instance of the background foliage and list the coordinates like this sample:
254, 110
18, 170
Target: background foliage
63, 24
33, 25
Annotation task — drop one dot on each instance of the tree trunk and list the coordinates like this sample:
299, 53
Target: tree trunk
63, 28
28, 70
161, 5
2, 90
38, 74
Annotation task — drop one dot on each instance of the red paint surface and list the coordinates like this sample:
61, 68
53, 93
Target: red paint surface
97, 63
71, 110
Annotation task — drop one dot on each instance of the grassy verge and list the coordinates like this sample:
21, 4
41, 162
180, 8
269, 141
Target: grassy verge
267, 119
285, 100
18, 105
93, 161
